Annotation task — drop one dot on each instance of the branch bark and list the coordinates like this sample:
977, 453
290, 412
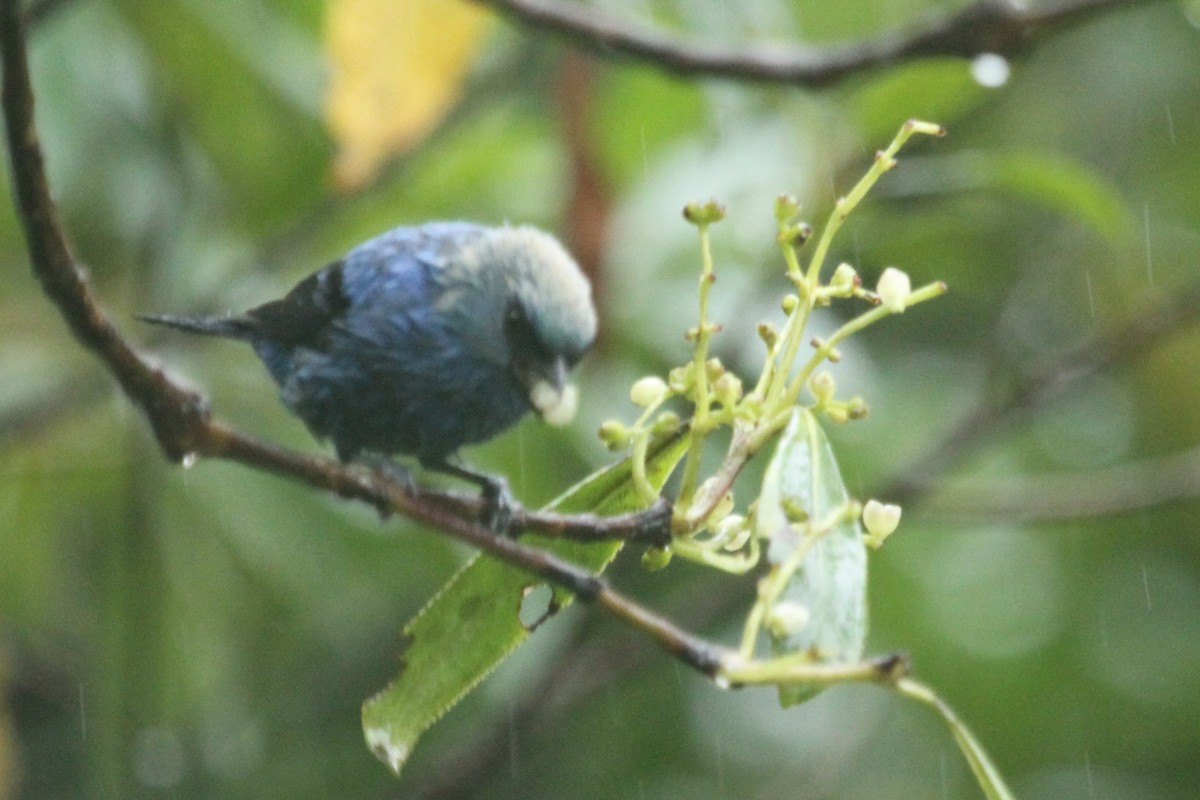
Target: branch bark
985, 26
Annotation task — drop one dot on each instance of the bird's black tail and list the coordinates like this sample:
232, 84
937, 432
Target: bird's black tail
229, 327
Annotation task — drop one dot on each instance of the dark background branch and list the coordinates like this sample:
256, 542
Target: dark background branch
986, 26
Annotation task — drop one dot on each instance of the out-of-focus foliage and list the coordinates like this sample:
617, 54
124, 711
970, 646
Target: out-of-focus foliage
397, 68
212, 632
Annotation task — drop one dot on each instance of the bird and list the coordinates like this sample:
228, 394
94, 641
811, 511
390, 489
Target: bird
423, 340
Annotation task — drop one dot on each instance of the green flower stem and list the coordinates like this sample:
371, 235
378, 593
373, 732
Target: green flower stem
778, 365
700, 427
772, 383
989, 778
797, 669
637, 463
748, 439
775, 391
826, 348
734, 563
884, 161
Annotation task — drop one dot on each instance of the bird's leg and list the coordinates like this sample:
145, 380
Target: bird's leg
390, 469
498, 501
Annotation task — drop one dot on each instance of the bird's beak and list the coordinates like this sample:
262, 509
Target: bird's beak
551, 395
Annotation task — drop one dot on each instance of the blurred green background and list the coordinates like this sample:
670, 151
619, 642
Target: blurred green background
211, 632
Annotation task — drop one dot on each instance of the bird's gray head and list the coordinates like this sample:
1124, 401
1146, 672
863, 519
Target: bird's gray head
530, 308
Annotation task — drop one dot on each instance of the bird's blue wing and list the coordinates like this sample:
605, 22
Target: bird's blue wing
395, 268
388, 274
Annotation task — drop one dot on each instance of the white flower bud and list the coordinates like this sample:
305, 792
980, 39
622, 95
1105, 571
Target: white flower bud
648, 391
728, 389
893, 289
787, 618
880, 520
823, 386
844, 278
614, 435
734, 531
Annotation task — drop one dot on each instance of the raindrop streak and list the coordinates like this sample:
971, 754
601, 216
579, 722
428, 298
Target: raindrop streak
1171, 125
645, 160
720, 759
514, 755
1087, 276
82, 714
1087, 769
1149, 255
1146, 586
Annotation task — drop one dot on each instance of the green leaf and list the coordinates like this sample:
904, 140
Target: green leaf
473, 623
803, 487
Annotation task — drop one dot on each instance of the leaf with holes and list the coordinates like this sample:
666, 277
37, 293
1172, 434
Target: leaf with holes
825, 599
488, 609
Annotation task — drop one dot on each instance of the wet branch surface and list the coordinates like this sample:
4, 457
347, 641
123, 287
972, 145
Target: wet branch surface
986, 26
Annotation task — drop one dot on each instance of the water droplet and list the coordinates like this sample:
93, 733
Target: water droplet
189, 460
990, 70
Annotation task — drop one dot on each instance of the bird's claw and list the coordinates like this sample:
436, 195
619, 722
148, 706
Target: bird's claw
393, 471
499, 506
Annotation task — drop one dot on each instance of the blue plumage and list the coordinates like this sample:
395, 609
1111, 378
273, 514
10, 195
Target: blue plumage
424, 339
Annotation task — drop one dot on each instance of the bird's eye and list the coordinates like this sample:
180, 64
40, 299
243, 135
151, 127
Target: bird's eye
519, 333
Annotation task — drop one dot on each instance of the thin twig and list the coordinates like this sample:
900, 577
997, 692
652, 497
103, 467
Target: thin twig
985, 26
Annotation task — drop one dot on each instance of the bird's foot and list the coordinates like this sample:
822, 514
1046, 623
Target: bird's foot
499, 505
391, 470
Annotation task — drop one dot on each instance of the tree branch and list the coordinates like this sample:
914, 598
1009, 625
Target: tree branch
985, 26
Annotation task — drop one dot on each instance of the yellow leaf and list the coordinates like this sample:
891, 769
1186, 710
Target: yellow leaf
398, 67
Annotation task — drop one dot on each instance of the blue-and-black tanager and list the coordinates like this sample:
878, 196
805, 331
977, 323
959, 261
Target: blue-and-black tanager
424, 339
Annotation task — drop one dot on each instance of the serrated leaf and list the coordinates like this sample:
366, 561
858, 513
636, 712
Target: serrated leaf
473, 623
398, 67
803, 480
